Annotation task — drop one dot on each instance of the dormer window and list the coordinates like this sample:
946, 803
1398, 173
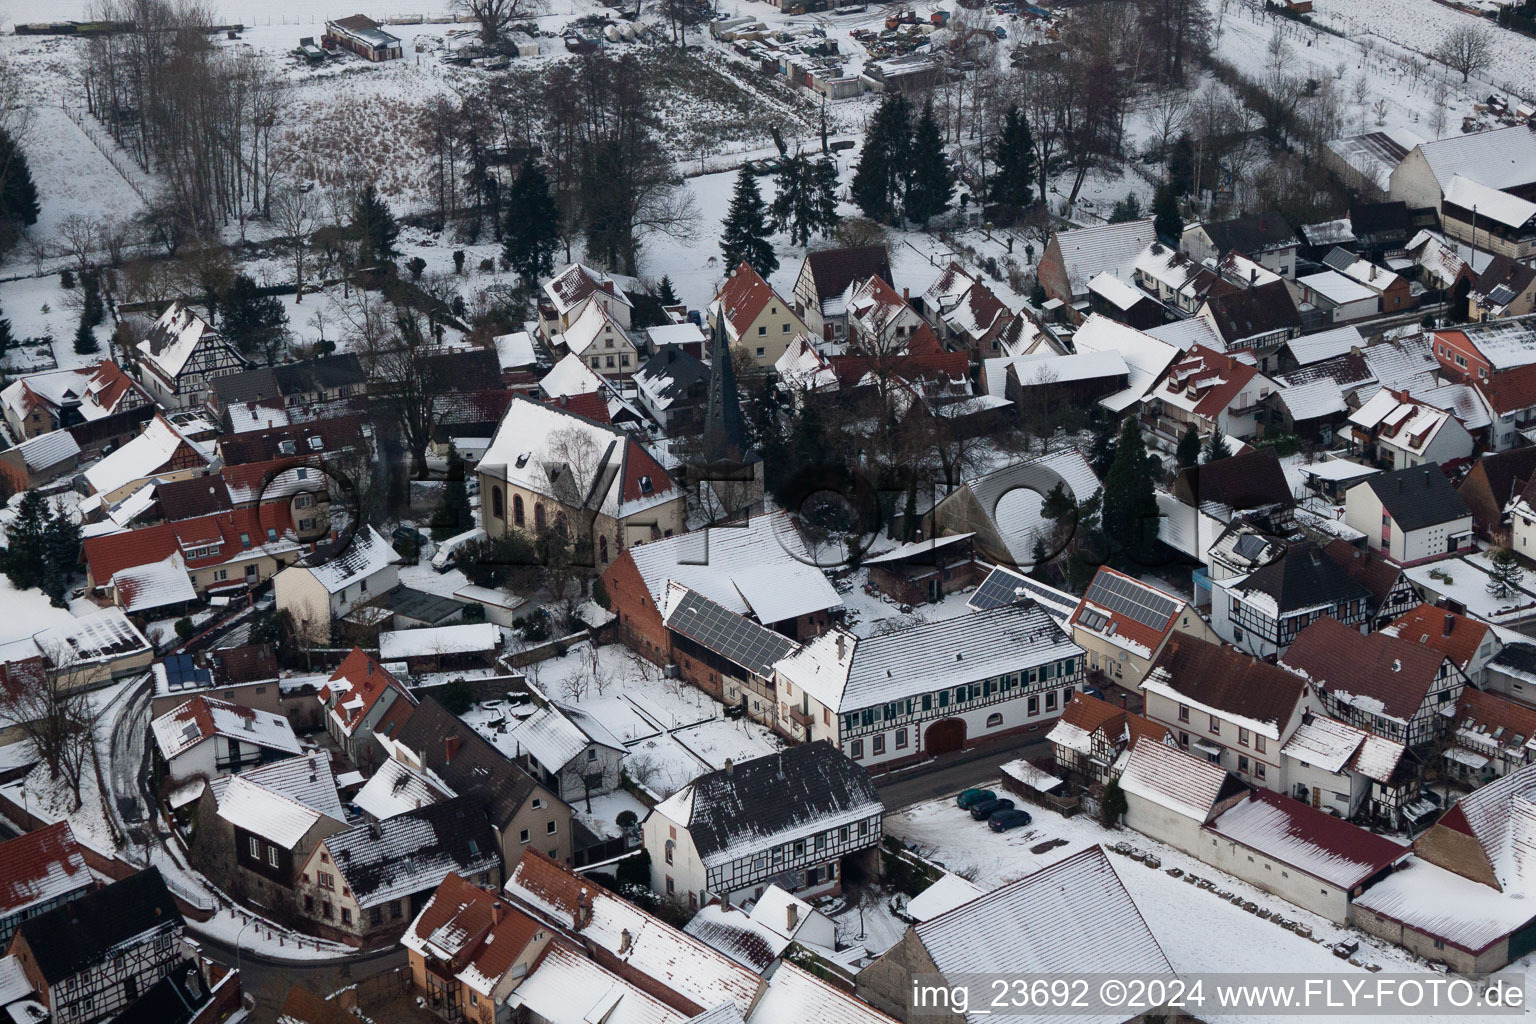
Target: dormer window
646, 487
316, 443
285, 447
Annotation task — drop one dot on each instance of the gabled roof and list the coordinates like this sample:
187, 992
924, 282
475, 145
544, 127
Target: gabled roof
47, 450
466, 761
1314, 348
743, 297
1250, 233
567, 987
41, 866
1126, 612
142, 457
1500, 158
1223, 681
413, 851
397, 787
768, 801
1487, 722
758, 566
174, 337
1206, 383
1376, 673
1418, 497
833, 270
305, 782
1146, 358
314, 437
1503, 281
1243, 482
554, 736
1176, 780
1490, 203
1310, 840
189, 499
1501, 818
357, 684
793, 994
203, 718
1087, 252
1299, 580
1458, 637
365, 555
734, 637
691, 975
1509, 391
570, 376
670, 375
576, 282
1072, 916
1250, 312
594, 321
468, 925
78, 936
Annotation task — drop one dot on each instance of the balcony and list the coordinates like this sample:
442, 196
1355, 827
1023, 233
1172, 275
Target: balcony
803, 719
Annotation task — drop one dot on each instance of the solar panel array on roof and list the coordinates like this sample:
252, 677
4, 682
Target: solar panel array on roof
1001, 588
732, 636
181, 673
1123, 597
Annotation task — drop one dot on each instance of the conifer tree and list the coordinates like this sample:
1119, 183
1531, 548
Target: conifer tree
85, 340
375, 227
453, 515
665, 293
1216, 446
532, 232
806, 200
1504, 572
1189, 448
26, 556
880, 180
1130, 505
62, 539
7, 339
931, 179
18, 193
745, 238
1013, 175
1165, 216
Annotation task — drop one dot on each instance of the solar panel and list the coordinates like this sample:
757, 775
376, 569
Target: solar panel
1123, 597
999, 590
732, 636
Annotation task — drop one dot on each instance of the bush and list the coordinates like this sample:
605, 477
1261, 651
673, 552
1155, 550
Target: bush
458, 261
600, 592
416, 265
487, 265
184, 628
457, 697
1112, 805
66, 278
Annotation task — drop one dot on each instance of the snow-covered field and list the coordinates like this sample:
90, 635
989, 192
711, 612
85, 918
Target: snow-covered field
1197, 931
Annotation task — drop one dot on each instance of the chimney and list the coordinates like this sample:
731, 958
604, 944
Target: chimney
791, 917
583, 909
450, 748
1450, 623
625, 939
725, 901
730, 767
498, 911
840, 646
906, 293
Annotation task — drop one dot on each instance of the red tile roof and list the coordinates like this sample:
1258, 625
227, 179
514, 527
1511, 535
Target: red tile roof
1228, 680
491, 932
1120, 625
1394, 672
367, 680
113, 552
1214, 377
590, 404
41, 865
917, 364
1455, 636
639, 463
743, 297
1308, 839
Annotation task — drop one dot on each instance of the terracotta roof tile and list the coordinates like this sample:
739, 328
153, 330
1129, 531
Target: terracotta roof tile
1455, 636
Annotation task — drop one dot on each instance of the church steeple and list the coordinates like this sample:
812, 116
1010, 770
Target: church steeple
725, 438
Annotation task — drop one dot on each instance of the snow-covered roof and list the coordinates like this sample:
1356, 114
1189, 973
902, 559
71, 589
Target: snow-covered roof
1376, 154
949, 892
1170, 778
1313, 399
1087, 252
397, 787
756, 566
39, 867
203, 718
277, 799
793, 995
1049, 368
173, 338
1146, 358
567, 987
1118, 293
803, 368
1463, 401
46, 450
1337, 469
140, 588
414, 851
1011, 497
1501, 158
1314, 348
1336, 287
365, 556
595, 321
1324, 743
685, 333
575, 282
683, 964
1003, 585
1448, 906
1309, 840
555, 735
1023, 772
467, 638
845, 673
1073, 916
142, 457
515, 351
570, 376
1186, 334
97, 636
1490, 203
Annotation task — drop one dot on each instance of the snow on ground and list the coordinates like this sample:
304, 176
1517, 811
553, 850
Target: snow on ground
39, 308
1198, 931
27, 612
602, 818
874, 927
674, 731
872, 614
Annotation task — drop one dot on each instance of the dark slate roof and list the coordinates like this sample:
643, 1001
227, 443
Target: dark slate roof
1251, 233
414, 851
1418, 497
1396, 672
258, 385
1250, 311
263, 445
188, 499
422, 605
776, 794
1366, 568
174, 999
475, 769
1503, 272
70, 939
1519, 657
323, 374
833, 270
1249, 480
681, 371
474, 370
1304, 578
1380, 219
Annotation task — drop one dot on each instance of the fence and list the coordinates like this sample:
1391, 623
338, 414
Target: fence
106, 144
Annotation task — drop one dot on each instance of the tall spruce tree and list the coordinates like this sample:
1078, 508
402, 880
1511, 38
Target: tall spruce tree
745, 238
374, 226
18, 193
1166, 220
1188, 452
85, 340
806, 200
62, 538
453, 515
1013, 174
1130, 503
930, 178
665, 294
256, 323
532, 232
7, 339
26, 557
1216, 446
880, 180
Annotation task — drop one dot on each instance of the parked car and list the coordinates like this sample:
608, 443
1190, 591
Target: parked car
970, 797
1002, 821
986, 808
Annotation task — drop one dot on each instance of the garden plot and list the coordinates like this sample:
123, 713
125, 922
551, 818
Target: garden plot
1197, 930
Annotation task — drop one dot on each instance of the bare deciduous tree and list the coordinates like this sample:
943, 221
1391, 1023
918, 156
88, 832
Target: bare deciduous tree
294, 215
496, 16
1466, 49
47, 702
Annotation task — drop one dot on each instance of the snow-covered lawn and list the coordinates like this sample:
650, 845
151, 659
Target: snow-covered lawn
674, 731
872, 614
27, 612
1198, 931
602, 818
